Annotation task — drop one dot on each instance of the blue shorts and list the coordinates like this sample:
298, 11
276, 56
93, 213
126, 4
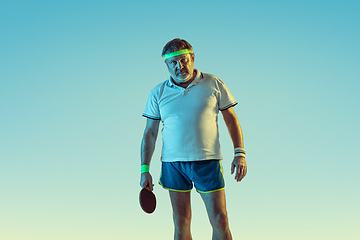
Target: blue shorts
207, 176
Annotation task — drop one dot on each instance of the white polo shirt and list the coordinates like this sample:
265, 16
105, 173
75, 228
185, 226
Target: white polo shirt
189, 117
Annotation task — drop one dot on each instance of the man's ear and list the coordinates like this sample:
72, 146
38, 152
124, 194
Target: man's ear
193, 57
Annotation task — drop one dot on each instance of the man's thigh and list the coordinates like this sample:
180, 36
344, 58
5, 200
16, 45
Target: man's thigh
215, 203
180, 202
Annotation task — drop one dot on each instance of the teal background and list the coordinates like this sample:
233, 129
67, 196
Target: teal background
74, 79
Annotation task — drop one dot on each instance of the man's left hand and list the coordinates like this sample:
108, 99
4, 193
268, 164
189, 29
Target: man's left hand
239, 167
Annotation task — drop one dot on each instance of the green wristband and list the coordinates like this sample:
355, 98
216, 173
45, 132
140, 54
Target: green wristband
144, 168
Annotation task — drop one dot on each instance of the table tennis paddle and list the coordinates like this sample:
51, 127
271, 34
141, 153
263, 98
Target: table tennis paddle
147, 200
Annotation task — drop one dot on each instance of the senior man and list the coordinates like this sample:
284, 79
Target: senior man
188, 104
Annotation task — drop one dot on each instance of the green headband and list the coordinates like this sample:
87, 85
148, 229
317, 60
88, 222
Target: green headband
169, 55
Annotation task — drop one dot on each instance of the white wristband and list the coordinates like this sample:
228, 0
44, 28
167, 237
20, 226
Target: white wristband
236, 150
240, 155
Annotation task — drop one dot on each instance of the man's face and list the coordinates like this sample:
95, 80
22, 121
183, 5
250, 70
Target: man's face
181, 68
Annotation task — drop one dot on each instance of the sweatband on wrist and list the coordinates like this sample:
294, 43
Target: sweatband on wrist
239, 150
144, 168
173, 54
239, 155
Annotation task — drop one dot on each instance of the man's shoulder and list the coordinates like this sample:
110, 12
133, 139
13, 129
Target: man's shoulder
211, 79
160, 87
208, 75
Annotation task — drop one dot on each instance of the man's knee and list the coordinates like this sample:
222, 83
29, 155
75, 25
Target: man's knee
220, 220
182, 220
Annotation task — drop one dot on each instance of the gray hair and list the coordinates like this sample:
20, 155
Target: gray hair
174, 45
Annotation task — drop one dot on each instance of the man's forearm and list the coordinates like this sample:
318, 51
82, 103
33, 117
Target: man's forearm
236, 133
147, 148
233, 126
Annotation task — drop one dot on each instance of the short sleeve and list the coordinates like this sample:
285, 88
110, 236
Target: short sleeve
152, 107
226, 100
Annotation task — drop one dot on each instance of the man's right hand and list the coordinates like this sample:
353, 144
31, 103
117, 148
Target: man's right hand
146, 181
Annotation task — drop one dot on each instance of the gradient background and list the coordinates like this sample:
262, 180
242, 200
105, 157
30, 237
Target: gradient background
75, 76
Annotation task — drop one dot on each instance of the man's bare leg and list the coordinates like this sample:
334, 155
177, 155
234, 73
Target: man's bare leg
181, 205
215, 203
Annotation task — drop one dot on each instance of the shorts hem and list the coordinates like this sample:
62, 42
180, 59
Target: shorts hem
174, 190
216, 190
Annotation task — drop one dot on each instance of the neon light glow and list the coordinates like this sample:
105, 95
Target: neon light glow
169, 55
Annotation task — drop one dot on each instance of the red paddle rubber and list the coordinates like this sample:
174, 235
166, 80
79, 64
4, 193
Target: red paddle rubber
147, 200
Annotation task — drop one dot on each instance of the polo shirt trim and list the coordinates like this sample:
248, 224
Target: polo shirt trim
229, 106
151, 117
